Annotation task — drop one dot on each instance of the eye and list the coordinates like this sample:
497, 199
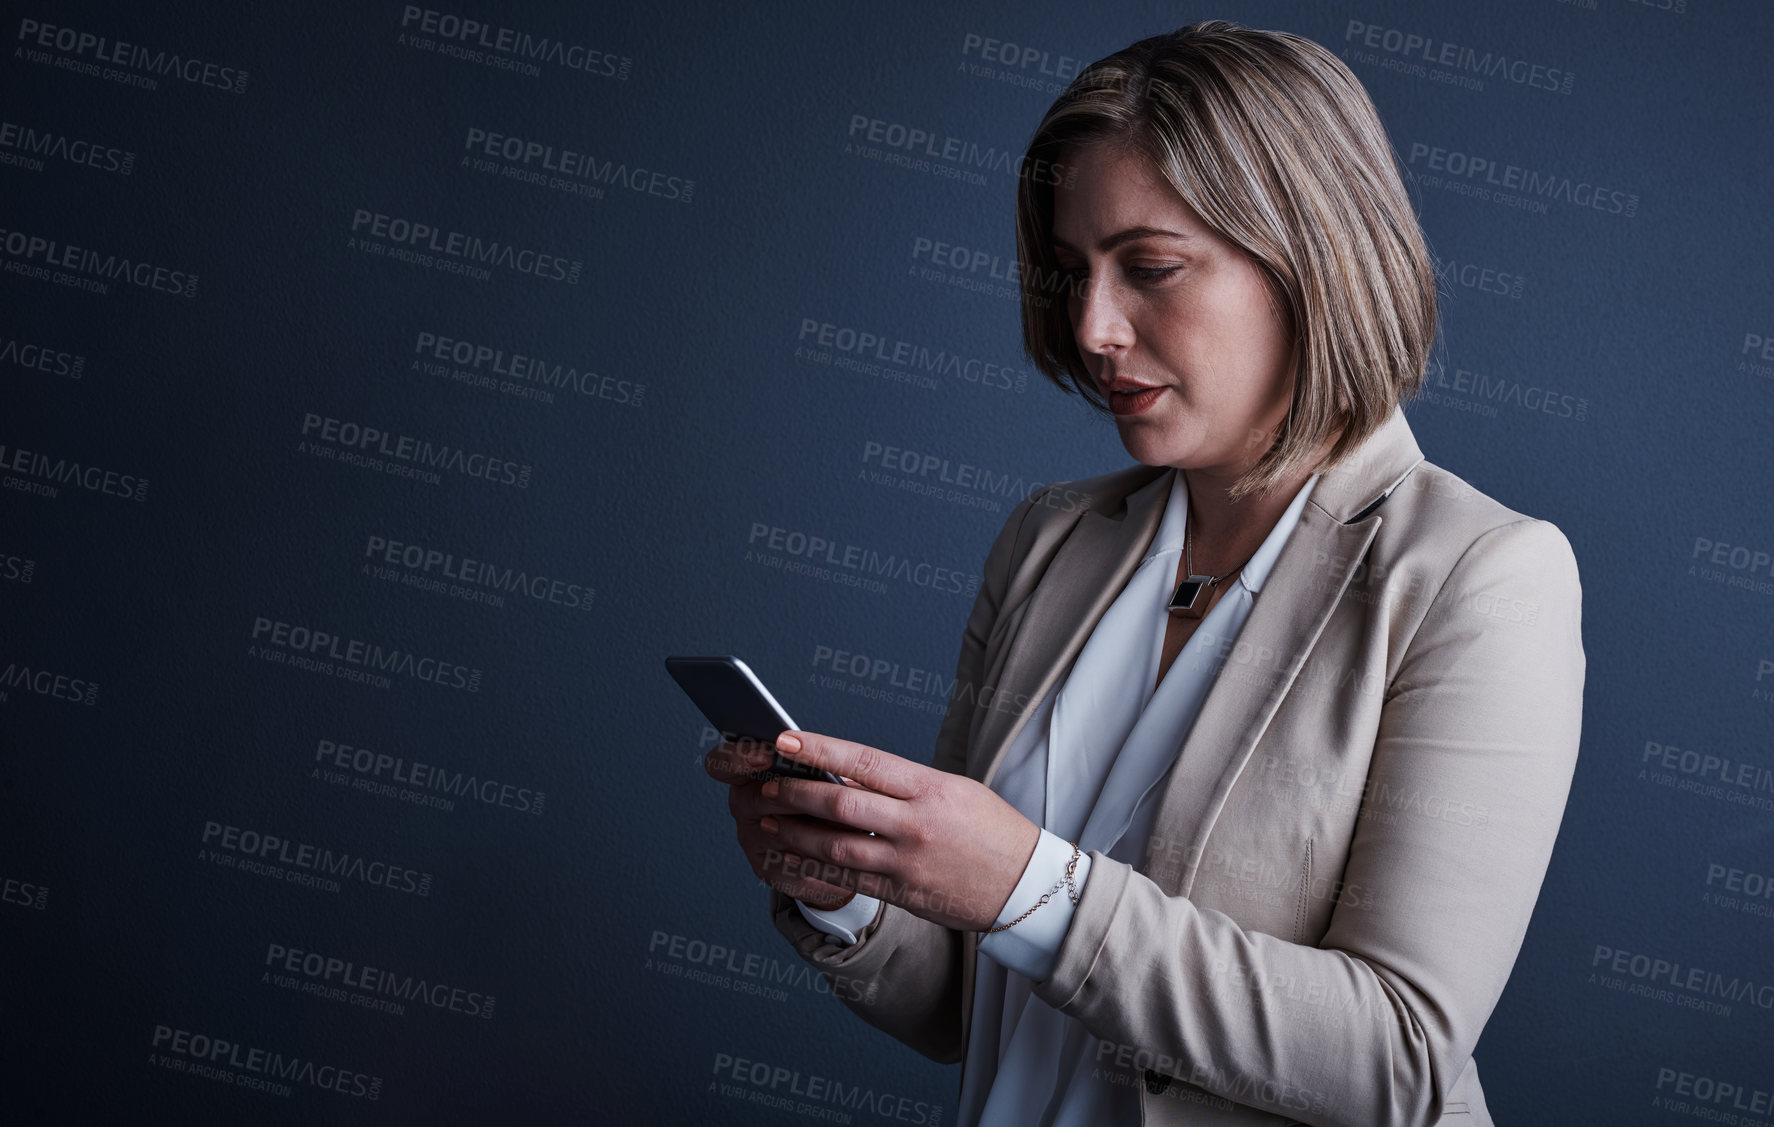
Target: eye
1074, 278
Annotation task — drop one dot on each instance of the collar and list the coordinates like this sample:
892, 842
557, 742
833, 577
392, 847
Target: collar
1256, 570
1355, 486
1345, 492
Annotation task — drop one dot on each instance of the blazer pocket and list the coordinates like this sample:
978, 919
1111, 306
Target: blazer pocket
1302, 901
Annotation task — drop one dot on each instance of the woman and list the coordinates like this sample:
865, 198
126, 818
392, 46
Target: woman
1256, 757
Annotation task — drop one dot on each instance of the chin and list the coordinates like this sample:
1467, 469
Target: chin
1149, 446
1154, 442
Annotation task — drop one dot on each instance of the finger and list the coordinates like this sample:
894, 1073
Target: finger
855, 807
837, 845
805, 878
878, 770
826, 874
800, 878
787, 865
732, 762
748, 803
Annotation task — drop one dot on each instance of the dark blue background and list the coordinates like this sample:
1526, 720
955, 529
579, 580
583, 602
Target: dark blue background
1643, 318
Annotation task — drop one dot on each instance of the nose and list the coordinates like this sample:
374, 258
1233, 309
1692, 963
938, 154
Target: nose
1098, 321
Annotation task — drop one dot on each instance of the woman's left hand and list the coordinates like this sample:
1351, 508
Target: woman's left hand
946, 847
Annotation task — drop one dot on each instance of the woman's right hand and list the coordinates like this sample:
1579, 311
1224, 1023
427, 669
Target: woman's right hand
732, 763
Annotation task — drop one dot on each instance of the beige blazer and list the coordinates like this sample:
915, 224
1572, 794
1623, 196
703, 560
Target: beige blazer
1351, 840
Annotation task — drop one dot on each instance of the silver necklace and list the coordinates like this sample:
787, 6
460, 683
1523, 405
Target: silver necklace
1193, 594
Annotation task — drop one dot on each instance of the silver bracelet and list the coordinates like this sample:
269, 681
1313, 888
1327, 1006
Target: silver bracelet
1064, 882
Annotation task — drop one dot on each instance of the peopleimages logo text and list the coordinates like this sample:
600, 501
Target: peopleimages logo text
424, 237
103, 49
372, 440
47, 683
270, 849
323, 644
56, 471
329, 974
428, 777
35, 256
521, 45
219, 1058
1484, 172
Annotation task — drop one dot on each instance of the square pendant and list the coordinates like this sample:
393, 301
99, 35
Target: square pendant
1191, 597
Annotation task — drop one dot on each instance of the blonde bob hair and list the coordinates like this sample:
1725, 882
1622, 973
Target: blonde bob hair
1279, 150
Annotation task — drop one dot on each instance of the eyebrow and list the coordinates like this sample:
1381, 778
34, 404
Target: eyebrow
1126, 236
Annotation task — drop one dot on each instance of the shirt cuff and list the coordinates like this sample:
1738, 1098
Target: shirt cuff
1032, 946
842, 924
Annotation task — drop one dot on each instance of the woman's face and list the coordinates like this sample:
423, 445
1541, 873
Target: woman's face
1159, 301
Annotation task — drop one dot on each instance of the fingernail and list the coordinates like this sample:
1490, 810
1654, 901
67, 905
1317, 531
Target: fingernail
787, 744
767, 824
770, 789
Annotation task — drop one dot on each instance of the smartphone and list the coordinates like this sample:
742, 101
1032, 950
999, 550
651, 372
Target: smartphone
736, 702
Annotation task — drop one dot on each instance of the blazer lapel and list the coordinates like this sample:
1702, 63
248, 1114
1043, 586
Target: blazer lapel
1099, 556
1303, 589
1260, 667
1088, 572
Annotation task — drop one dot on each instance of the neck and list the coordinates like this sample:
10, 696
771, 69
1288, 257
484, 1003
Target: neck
1226, 533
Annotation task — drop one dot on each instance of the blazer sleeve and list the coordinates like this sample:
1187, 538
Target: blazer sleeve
1373, 1026
903, 975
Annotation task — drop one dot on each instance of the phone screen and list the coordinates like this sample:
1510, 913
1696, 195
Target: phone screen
734, 700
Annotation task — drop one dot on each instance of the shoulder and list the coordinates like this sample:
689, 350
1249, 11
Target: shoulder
1442, 519
1449, 556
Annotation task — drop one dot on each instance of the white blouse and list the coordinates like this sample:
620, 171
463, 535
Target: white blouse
1088, 768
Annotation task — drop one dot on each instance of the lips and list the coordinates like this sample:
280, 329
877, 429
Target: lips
1129, 387
1128, 398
